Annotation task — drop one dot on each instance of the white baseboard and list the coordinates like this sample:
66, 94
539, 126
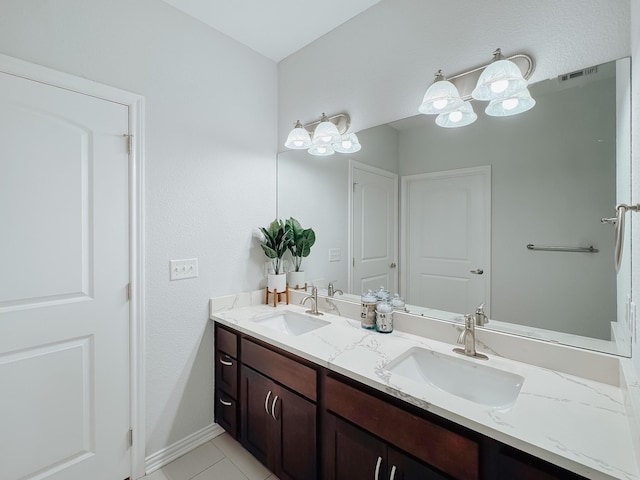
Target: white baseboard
168, 454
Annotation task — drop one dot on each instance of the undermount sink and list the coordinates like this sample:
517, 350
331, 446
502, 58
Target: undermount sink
292, 323
462, 377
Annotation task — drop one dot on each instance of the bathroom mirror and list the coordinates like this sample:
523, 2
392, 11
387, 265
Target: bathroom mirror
555, 172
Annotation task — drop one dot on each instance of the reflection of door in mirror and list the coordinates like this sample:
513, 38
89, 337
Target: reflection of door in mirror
446, 220
374, 229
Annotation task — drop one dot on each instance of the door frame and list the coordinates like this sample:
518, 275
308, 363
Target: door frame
385, 173
485, 171
135, 104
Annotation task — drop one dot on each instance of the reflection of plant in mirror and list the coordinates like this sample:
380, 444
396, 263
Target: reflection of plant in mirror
301, 241
275, 243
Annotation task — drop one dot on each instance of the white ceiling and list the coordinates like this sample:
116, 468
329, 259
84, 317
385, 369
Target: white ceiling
274, 28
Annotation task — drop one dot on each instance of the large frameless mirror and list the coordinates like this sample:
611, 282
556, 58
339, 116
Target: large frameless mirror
506, 212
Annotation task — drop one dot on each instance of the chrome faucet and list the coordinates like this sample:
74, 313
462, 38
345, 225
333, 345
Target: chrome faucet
468, 339
314, 298
331, 291
480, 317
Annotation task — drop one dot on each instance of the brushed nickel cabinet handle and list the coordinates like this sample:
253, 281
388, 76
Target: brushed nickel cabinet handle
378, 468
226, 363
273, 407
266, 402
226, 404
393, 473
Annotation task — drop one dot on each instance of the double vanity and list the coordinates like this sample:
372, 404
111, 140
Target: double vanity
320, 397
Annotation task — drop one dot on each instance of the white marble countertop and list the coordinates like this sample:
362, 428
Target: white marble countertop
576, 423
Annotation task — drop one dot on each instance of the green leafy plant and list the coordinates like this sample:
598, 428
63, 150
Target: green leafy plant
275, 243
301, 241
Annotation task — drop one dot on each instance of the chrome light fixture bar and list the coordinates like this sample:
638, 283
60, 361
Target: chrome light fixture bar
324, 136
503, 82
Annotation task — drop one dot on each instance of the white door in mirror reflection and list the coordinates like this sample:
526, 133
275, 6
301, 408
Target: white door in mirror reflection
447, 235
375, 229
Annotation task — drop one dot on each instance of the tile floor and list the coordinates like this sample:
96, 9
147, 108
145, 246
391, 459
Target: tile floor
220, 459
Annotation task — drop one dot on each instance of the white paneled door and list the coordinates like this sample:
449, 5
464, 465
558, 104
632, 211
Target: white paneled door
447, 243
374, 210
64, 257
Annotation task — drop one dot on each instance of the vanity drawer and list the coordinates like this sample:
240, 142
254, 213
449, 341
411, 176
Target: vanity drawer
444, 449
226, 410
283, 370
226, 341
227, 373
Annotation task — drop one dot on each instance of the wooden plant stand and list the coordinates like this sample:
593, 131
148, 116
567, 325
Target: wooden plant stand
277, 296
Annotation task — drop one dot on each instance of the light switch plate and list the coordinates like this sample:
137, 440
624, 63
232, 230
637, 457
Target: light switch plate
181, 269
334, 255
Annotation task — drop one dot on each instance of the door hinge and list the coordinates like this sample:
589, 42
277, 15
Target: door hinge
129, 138
131, 437
353, 261
129, 291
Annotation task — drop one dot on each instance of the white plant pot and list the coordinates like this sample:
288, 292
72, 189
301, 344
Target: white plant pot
296, 279
277, 282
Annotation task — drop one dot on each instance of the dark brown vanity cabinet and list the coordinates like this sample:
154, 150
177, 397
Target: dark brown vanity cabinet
290, 414
352, 453
226, 383
506, 463
392, 443
267, 401
278, 427
278, 412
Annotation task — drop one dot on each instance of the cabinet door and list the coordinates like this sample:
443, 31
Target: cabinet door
352, 453
403, 467
295, 450
512, 464
256, 397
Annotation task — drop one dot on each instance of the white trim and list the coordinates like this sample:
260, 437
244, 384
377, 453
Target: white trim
168, 454
353, 164
485, 172
135, 104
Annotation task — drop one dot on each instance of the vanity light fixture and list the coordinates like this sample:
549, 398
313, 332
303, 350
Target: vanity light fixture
321, 150
503, 83
326, 133
511, 105
324, 137
500, 79
348, 144
298, 138
460, 117
441, 97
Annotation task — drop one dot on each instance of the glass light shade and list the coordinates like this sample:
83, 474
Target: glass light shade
441, 97
326, 133
348, 144
513, 105
500, 79
321, 150
459, 117
298, 138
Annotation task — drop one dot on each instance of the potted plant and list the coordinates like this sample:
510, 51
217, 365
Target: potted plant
274, 243
300, 242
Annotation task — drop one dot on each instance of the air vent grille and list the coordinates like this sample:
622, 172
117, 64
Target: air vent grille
578, 74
